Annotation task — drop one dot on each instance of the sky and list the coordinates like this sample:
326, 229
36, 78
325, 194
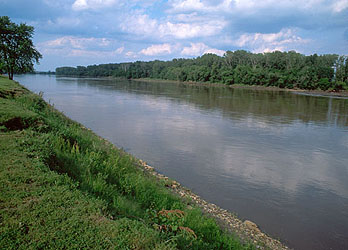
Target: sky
87, 32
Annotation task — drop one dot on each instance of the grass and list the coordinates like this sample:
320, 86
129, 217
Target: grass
64, 187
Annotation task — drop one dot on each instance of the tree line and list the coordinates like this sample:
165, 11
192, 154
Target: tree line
279, 69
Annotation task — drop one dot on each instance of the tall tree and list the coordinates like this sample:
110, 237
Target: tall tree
17, 51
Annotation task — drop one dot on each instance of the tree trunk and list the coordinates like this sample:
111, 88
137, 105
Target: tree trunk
10, 75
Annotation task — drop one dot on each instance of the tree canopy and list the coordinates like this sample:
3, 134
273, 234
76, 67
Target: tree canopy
281, 69
17, 51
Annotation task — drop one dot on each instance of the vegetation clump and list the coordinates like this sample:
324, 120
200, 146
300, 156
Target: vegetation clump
64, 187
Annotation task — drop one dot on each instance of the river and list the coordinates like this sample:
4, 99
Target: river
277, 158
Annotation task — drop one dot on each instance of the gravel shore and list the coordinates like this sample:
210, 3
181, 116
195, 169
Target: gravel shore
246, 230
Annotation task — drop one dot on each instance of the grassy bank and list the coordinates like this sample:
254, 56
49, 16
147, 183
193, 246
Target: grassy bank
64, 187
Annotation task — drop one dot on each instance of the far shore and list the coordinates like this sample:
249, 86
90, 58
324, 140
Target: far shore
316, 92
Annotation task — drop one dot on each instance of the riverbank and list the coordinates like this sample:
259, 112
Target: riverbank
50, 159
246, 230
254, 87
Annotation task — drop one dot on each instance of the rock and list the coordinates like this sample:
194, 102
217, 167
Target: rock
149, 168
251, 225
143, 163
175, 183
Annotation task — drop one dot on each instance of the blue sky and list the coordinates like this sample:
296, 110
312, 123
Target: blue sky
84, 32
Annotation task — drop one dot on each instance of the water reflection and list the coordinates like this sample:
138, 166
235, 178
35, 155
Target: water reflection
275, 106
277, 158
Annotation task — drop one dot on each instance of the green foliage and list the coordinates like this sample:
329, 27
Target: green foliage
171, 222
324, 84
17, 52
278, 69
339, 85
64, 187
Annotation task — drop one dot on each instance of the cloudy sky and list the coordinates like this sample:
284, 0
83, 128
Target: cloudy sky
84, 32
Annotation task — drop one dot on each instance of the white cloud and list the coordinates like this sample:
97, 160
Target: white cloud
131, 54
140, 25
90, 47
252, 6
190, 17
340, 5
284, 40
190, 30
313, 5
203, 6
276, 4
80, 4
198, 49
119, 50
188, 5
86, 53
92, 53
92, 4
145, 26
158, 49
78, 53
77, 42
